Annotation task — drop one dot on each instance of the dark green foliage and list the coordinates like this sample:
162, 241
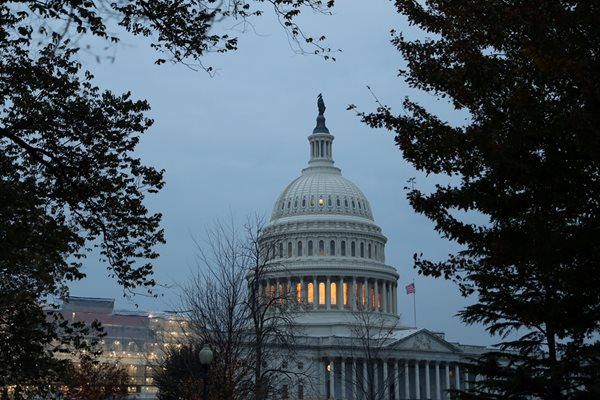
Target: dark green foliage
180, 375
527, 74
69, 183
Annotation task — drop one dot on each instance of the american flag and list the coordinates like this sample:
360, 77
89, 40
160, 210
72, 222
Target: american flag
410, 288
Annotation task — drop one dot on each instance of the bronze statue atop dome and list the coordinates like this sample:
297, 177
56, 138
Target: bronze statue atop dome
320, 104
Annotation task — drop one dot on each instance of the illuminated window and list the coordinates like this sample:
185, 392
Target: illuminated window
379, 297
345, 292
310, 293
332, 248
289, 252
364, 293
321, 293
310, 248
372, 295
362, 249
312, 201
321, 248
298, 292
333, 293
281, 292
321, 201
343, 248
271, 291
299, 249
353, 249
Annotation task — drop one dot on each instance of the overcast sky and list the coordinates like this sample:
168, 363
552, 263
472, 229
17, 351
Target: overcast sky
231, 143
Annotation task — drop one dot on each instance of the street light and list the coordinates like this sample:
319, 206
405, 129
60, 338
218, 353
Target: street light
206, 357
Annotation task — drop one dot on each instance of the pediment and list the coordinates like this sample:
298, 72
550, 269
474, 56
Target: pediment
423, 340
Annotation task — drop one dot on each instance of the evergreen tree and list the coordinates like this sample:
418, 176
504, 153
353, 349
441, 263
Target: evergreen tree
528, 159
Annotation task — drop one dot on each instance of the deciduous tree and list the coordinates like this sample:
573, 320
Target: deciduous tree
69, 182
525, 167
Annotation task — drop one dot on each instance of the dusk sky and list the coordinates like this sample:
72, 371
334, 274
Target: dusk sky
231, 143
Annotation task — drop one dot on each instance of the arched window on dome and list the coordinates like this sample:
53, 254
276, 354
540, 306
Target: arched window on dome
376, 246
333, 293
369, 250
353, 249
346, 202
332, 248
321, 201
282, 205
281, 249
321, 293
299, 248
304, 202
296, 202
353, 205
337, 201
289, 204
289, 252
362, 249
310, 248
310, 293
321, 248
329, 201
343, 248
359, 207
312, 201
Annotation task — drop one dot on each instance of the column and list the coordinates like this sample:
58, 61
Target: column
375, 382
331, 378
340, 293
354, 381
386, 384
365, 378
406, 380
417, 380
376, 299
353, 294
328, 292
467, 380
324, 372
289, 292
384, 298
343, 377
315, 293
448, 379
457, 376
395, 297
396, 373
427, 383
438, 391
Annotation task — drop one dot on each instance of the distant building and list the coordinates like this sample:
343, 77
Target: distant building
134, 339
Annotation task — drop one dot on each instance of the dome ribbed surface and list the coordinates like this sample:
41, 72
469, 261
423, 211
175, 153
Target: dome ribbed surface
321, 191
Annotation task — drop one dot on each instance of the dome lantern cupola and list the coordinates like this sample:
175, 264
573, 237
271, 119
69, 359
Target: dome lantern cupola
321, 151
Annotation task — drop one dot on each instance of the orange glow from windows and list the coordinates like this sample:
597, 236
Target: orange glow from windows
310, 293
322, 293
298, 292
333, 293
345, 293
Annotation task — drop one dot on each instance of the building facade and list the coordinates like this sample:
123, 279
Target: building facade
333, 258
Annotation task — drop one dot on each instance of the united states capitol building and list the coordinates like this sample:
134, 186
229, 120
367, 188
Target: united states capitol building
334, 257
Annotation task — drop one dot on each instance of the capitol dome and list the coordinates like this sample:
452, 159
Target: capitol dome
327, 249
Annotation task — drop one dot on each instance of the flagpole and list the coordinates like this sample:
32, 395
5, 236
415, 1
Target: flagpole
415, 304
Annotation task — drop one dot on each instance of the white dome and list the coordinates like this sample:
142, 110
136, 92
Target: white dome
321, 190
